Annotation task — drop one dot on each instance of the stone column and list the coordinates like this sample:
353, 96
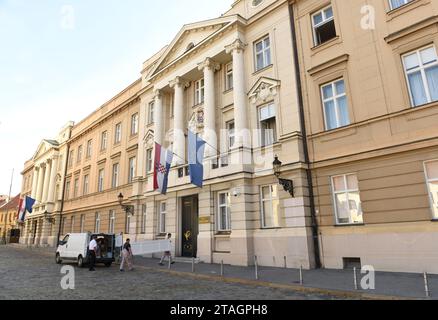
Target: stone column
240, 97
39, 193
158, 114
210, 136
179, 140
34, 182
52, 181
46, 180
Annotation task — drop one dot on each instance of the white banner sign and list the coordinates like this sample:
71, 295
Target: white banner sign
149, 247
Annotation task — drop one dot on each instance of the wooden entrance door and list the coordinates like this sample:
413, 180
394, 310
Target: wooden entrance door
190, 228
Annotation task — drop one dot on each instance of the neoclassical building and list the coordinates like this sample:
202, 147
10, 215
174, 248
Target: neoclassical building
43, 180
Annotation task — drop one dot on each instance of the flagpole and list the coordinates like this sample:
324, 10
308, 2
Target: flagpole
10, 186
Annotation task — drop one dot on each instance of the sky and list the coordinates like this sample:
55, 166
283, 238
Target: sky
61, 60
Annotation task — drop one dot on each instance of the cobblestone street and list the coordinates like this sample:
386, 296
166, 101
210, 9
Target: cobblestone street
33, 274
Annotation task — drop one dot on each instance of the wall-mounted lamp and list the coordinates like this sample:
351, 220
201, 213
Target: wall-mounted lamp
48, 218
288, 185
127, 209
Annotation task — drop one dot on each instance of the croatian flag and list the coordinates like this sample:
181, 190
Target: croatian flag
163, 161
25, 205
196, 159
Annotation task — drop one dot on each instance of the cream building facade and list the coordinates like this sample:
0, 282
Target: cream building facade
43, 180
368, 71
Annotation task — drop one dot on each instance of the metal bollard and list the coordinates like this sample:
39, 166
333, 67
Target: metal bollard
193, 265
426, 285
256, 268
355, 279
301, 276
285, 262
170, 263
222, 268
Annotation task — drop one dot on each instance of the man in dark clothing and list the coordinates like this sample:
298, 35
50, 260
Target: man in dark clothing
126, 256
92, 247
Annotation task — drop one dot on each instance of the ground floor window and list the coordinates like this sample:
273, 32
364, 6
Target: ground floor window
127, 223
431, 168
347, 203
162, 208
143, 218
270, 205
82, 223
97, 223
112, 220
224, 217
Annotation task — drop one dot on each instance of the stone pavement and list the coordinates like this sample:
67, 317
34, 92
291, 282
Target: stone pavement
338, 282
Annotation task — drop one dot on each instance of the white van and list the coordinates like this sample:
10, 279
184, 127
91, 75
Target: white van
74, 248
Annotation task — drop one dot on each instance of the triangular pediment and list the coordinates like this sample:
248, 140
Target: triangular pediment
190, 37
43, 147
149, 139
264, 89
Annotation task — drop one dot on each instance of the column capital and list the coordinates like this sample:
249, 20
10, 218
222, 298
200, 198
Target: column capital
158, 93
238, 45
210, 64
180, 82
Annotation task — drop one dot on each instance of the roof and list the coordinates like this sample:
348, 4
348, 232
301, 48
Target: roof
53, 142
13, 204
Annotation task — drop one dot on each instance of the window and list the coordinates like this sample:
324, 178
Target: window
394, 4
79, 157
348, 208
268, 128
151, 113
431, 168
97, 223
323, 23
63, 223
118, 133
132, 166
100, 180
115, 180
143, 218
70, 158
82, 227
421, 68
231, 133
76, 188
72, 224
255, 3
134, 124
263, 53
86, 183
127, 223
224, 217
335, 105
67, 190
199, 91
89, 148
229, 76
112, 220
149, 160
162, 217
270, 207
103, 140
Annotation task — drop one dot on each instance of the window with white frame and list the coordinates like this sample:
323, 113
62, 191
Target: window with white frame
262, 53
89, 148
127, 223
229, 76
151, 113
199, 91
270, 205
132, 166
70, 158
79, 155
268, 127
86, 184
100, 181
335, 104
431, 168
72, 224
97, 223
82, 223
115, 177
231, 134
118, 133
134, 124
323, 23
149, 160
162, 209
76, 188
421, 69
347, 203
224, 212
112, 221
394, 4
103, 140
67, 190
143, 218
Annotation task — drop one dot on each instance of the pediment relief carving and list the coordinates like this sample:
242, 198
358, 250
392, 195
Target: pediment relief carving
264, 89
196, 122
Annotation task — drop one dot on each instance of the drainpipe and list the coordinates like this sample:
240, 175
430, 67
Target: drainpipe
63, 196
314, 225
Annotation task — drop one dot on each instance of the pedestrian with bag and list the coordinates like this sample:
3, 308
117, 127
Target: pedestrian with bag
127, 256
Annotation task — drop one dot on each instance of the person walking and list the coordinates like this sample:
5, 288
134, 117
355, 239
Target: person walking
92, 247
167, 253
126, 256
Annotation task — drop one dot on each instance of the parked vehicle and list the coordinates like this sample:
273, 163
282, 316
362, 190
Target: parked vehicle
74, 248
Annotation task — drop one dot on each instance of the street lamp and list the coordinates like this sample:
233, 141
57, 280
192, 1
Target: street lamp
48, 218
127, 209
288, 185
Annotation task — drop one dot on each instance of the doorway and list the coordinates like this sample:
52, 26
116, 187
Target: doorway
190, 226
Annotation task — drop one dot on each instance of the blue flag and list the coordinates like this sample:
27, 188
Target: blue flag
196, 159
29, 204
